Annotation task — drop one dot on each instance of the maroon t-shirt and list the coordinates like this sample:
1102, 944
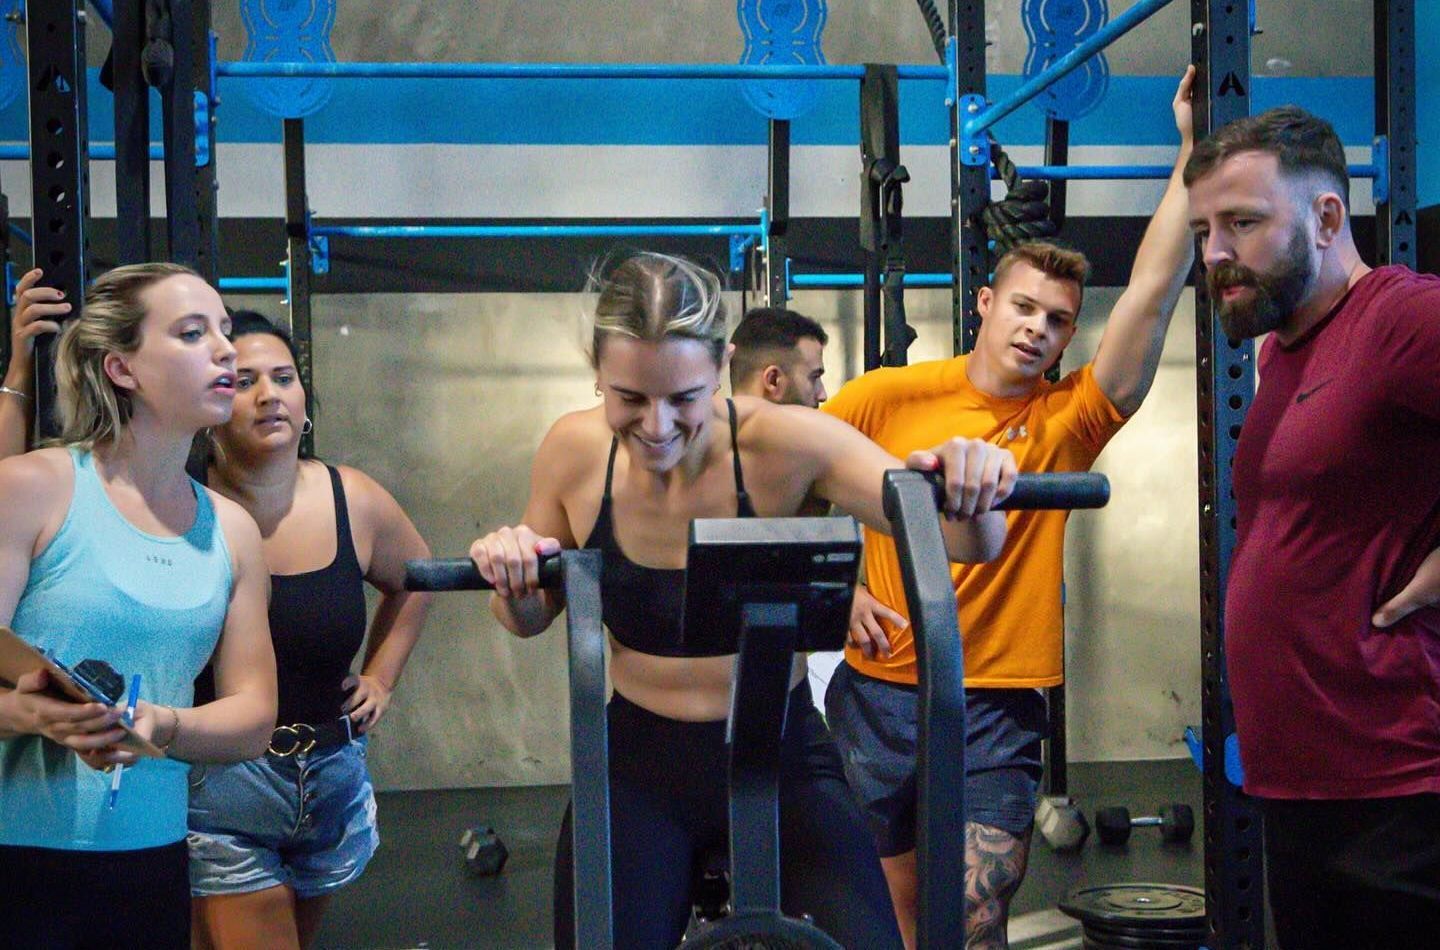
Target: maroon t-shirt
1337, 481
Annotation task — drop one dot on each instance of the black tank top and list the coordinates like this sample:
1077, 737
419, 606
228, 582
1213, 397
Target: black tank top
641, 605
317, 624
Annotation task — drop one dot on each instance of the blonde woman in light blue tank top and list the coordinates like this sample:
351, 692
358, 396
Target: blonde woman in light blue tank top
108, 551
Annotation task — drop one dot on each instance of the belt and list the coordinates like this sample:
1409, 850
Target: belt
303, 738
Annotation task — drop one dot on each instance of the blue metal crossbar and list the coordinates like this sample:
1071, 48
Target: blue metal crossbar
830, 281
1090, 172
243, 284
105, 151
1102, 38
99, 151
534, 230
1119, 172
324, 70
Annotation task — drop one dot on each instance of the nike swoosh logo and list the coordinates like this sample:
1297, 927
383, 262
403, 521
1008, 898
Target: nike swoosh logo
1301, 397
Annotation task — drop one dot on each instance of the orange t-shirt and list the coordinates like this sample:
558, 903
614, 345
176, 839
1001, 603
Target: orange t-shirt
1010, 609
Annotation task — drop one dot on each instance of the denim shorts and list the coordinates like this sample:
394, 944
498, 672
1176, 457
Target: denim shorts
874, 723
303, 820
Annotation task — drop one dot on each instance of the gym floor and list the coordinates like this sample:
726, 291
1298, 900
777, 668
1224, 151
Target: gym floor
416, 892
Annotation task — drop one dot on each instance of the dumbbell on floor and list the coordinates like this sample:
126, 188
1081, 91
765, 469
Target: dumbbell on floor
1176, 823
485, 854
1061, 822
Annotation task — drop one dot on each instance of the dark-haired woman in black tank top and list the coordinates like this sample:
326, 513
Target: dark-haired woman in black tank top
262, 876
627, 477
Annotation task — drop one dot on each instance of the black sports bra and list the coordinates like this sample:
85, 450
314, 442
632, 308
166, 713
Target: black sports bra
643, 606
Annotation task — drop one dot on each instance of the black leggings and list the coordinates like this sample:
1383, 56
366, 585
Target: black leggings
95, 900
668, 811
1359, 874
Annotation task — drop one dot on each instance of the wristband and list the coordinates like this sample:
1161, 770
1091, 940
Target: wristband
174, 732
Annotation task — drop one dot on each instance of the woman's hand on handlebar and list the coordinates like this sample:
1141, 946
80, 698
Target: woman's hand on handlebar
509, 558
978, 475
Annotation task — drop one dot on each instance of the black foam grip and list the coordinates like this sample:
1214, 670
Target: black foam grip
1066, 490
460, 573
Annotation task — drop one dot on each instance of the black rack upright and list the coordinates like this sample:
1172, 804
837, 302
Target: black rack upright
59, 171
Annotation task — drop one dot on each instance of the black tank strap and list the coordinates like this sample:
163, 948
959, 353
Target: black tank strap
610, 466
744, 508
343, 537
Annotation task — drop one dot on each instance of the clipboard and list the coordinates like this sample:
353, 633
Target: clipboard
17, 657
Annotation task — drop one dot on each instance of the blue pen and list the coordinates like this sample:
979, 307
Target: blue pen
129, 719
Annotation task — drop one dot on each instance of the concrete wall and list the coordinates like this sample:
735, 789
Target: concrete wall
444, 398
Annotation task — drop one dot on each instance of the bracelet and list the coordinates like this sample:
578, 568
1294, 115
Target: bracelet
15, 392
174, 732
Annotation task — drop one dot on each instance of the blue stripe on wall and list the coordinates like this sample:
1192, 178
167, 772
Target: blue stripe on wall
695, 112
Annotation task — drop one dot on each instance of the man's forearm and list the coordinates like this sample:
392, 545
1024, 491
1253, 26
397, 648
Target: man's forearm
1129, 352
1163, 259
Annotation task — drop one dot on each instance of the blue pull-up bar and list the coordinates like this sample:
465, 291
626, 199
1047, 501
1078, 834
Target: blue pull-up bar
534, 230
831, 281
328, 70
1107, 34
243, 284
1090, 172
100, 151
1130, 172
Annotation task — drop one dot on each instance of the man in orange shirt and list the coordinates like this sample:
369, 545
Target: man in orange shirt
1010, 608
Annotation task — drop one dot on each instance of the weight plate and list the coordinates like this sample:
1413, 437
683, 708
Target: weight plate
1114, 941
782, 33
1138, 943
760, 930
288, 31
1146, 930
1054, 28
1131, 905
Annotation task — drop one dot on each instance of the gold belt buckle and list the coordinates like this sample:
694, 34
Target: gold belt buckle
301, 736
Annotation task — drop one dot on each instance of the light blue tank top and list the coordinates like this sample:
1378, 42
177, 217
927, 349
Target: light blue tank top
102, 589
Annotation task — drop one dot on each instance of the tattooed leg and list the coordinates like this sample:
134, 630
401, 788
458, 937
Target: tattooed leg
994, 867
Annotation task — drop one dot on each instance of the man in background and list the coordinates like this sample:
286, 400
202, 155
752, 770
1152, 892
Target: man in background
780, 357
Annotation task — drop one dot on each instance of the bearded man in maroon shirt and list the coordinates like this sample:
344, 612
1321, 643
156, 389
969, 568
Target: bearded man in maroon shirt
1332, 628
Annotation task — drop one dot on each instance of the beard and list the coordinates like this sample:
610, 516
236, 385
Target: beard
793, 395
1275, 294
